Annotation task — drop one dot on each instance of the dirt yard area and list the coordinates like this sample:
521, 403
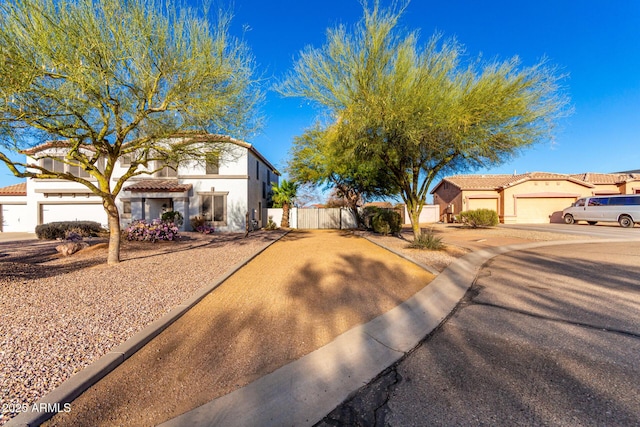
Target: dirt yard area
295, 297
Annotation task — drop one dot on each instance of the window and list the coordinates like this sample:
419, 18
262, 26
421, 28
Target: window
257, 169
625, 201
53, 164
264, 190
78, 171
167, 172
126, 208
598, 201
125, 160
579, 203
218, 208
213, 207
212, 164
56, 164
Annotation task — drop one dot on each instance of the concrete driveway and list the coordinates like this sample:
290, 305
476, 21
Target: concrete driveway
549, 336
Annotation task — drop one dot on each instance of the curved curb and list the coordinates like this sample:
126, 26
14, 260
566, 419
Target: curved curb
303, 392
73, 387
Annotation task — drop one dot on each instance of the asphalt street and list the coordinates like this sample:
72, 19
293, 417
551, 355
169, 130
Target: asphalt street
549, 336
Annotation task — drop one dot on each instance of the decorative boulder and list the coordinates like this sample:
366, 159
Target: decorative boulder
70, 248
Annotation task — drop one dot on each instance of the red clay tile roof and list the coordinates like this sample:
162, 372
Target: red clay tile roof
14, 190
159, 186
606, 178
53, 144
496, 182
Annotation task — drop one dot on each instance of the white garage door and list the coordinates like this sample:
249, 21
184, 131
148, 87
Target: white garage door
14, 219
73, 212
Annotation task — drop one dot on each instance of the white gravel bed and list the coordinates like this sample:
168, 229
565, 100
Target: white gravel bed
59, 316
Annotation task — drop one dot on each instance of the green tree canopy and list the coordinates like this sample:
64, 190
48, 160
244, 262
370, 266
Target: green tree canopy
317, 158
113, 78
418, 109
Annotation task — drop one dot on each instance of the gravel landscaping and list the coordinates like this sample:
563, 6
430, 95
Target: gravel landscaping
58, 315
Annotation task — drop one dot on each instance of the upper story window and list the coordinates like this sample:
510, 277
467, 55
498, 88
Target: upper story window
55, 164
167, 172
125, 160
257, 169
212, 164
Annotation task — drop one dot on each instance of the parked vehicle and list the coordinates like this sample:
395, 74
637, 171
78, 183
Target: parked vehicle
624, 209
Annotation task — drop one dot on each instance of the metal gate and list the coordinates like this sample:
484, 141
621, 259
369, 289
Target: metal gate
319, 218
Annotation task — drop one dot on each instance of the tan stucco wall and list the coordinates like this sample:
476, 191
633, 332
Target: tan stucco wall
447, 195
539, 201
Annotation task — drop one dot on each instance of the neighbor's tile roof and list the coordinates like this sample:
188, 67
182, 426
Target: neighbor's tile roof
496, 182
479, 182
14, 190
606, 178
159, 186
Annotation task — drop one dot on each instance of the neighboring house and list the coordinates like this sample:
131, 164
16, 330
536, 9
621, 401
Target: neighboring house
13, 208
535, 197
222, 190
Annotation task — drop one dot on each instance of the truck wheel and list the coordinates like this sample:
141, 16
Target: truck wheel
568, 219
625, 221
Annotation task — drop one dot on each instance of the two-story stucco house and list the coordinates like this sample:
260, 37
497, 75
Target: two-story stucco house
223, 190
534, 197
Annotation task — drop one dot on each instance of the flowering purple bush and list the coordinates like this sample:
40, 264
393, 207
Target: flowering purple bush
205, 229
156, 230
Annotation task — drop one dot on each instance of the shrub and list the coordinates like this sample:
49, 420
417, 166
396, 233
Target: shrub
479, 218
157, 229
197, 221
367, 215
205, 229
271, 225
427, 240
200, 225
386, 221
174, 217
59, 230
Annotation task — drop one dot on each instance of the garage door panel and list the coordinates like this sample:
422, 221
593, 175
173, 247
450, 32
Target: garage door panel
542, 210
483, 204
14, 219
73, 212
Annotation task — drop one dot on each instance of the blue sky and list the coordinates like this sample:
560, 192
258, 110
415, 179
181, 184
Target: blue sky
597, 43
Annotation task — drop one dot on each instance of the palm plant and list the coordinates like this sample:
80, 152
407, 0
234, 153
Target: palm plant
283, 196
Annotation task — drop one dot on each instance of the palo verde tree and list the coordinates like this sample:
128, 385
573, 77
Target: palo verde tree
104, 79
317, 159
417, 109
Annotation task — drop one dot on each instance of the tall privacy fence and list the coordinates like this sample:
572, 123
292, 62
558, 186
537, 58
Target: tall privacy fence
338, 218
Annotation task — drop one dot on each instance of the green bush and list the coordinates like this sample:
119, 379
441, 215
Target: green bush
174, 217
427, 240
60, 230
367, 214
479, 218
386, 221
271, 225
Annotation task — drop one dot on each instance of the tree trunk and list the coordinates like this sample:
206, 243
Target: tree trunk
414, 215
285, 215
113, 256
